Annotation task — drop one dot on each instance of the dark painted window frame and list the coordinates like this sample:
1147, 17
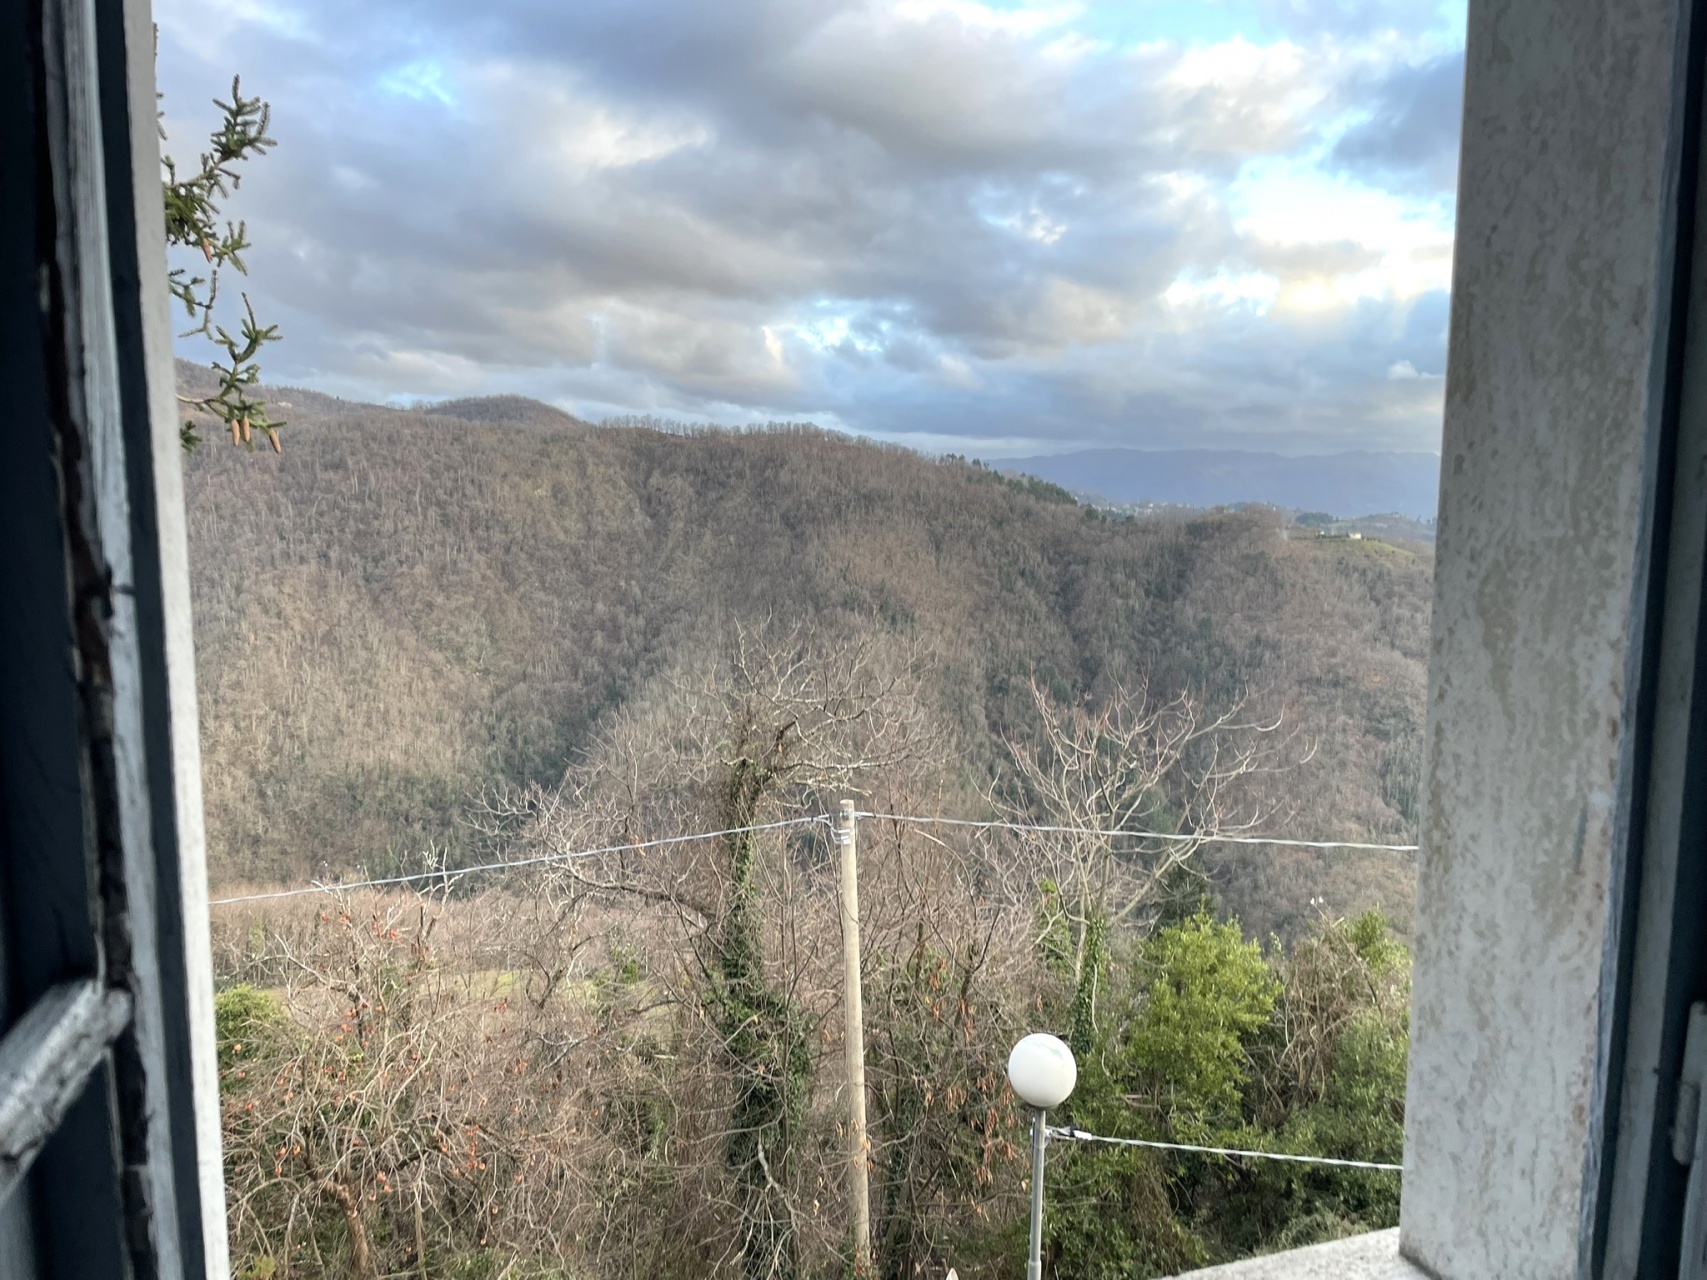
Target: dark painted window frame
109, 1138
1656, 953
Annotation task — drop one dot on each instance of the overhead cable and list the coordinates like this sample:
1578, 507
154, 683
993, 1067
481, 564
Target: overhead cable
1175, 836
1079, 1135
453, 874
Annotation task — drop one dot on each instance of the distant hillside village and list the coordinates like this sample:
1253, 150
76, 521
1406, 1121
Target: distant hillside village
1386, 526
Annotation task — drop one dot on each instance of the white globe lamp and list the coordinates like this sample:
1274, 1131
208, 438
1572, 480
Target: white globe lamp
1042, 1071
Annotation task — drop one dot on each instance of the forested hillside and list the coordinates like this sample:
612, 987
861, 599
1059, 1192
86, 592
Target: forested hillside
409, 609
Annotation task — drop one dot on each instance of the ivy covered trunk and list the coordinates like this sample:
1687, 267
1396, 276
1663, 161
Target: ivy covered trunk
765, 1038
1093, 968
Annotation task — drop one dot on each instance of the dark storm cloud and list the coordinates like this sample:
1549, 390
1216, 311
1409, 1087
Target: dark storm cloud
920, 219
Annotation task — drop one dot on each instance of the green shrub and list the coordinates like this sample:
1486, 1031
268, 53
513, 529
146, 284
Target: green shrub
245, 1019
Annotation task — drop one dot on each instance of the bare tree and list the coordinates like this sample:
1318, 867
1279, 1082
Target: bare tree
1132, 762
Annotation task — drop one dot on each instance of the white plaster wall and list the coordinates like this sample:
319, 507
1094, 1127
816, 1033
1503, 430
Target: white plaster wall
1562, 221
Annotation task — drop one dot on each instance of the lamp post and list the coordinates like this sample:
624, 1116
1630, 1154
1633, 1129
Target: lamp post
1043, 1073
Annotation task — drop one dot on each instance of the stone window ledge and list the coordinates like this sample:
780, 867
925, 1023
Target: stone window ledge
1369, 1257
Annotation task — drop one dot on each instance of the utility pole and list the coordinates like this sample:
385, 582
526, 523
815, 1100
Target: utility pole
853, 1008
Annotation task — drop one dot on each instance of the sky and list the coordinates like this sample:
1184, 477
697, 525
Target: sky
996, 229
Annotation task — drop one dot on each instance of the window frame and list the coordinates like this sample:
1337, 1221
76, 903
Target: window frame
109, 1132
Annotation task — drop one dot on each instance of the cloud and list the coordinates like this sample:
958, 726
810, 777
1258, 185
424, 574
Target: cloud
1410, 139
922, 219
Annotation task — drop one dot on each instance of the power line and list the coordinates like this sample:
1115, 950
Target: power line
1180, 837
982, 825
1079, 1135
450, 875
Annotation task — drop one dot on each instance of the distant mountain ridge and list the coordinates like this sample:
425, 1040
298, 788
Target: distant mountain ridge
1346, 485
1354, 483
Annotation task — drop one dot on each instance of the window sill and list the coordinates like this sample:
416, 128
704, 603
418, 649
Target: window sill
1370, 1257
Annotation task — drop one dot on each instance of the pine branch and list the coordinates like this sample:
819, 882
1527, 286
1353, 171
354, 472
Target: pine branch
193, 220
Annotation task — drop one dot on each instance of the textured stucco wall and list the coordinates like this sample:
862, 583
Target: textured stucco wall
1549, 420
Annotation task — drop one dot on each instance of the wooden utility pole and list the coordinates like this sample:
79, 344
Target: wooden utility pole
853, 1002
